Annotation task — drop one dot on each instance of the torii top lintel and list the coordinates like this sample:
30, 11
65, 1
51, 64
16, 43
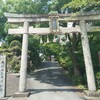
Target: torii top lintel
17, 18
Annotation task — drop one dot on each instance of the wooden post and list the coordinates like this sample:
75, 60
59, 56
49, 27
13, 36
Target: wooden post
23, 69
87, 58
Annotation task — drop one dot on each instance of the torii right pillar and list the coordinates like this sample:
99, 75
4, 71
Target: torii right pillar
87, 57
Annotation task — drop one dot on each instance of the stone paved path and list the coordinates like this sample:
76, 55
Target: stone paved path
47, 83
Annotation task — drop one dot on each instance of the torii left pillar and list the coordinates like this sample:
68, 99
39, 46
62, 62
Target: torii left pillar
23, 69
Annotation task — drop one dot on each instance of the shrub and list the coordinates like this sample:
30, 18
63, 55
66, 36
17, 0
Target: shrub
15, 64
1, 50
15, 43
98, 80
77, 80
16, 50
4, 45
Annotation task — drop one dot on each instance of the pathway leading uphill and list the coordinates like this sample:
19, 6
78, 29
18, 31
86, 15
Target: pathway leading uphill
48, 83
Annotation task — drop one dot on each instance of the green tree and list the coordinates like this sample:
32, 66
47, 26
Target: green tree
84, 5
13, 41
24, 6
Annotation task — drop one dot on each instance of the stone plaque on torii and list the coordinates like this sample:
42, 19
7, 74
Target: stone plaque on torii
54, 28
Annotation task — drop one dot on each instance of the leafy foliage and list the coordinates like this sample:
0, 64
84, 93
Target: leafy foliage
85, 5
98, 79
15, 43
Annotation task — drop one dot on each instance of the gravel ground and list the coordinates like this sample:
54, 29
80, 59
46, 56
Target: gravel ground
46, 83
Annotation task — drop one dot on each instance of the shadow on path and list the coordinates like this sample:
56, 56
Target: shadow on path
52, 76
35, 91
50, 73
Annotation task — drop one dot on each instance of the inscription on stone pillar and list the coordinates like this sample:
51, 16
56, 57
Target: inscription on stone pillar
2, 76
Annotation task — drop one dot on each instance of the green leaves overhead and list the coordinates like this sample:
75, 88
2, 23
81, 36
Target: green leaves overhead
23, 6
1, 6
83, 4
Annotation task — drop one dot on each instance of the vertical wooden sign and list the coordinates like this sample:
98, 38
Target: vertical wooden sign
2, 76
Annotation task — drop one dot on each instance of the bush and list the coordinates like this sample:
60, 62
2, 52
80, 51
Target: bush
4, 45
65, 62
98, 80
77, 80
15, 43
16, 50
1, 50
15, 64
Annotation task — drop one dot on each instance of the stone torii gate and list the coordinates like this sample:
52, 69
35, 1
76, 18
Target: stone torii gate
83, 28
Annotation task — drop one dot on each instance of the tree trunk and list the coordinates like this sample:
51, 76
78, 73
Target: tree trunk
99, 57
73, 49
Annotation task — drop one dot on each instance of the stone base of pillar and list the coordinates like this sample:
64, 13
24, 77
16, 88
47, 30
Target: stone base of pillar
21, 94
5, 98
92, 95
